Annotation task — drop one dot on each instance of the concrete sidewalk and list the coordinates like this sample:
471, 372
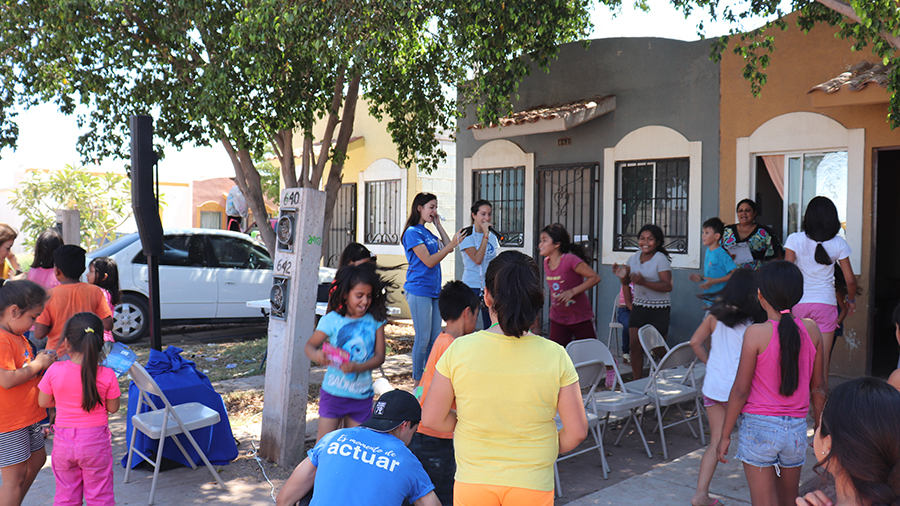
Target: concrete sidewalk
674, 483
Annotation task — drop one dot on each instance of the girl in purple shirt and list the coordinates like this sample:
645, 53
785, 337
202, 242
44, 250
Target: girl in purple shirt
568, 277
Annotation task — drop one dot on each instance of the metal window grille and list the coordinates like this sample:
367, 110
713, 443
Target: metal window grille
343, 225
382, 208
652, 191
505, 189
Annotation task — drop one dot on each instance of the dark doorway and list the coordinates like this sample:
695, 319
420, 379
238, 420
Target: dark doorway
769, 202
343, 225
886, 279
566, 195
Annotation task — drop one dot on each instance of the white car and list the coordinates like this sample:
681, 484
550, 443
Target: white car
205, 276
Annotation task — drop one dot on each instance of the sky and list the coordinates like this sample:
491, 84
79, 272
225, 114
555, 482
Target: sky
47, 138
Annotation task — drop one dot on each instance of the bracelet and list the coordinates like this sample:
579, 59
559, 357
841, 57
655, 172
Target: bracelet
850, 301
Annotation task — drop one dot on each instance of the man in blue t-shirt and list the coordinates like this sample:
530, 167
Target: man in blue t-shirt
717, 264
366, 465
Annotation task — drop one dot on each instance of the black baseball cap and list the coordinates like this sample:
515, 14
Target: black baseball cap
392, 409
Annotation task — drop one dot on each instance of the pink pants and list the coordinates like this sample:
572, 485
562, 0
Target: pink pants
83, 466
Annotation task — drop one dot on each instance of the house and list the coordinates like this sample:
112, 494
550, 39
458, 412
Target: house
638, 130
796, 141
375, 197
623, 133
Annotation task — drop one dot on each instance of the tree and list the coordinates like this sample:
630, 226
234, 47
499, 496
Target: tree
247, 74
874, 23
102, 199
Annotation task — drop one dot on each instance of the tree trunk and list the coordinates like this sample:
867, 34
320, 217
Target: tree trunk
333, 185
248, 180
284, 141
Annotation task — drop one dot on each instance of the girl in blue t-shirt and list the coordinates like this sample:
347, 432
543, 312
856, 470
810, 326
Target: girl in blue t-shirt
424, 252
354, 327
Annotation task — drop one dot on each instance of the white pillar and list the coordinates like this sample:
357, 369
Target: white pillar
69, 221
291, 323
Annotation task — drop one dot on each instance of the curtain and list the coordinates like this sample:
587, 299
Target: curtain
775, 166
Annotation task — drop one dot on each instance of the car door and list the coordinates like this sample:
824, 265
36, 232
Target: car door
243, 272
187, 283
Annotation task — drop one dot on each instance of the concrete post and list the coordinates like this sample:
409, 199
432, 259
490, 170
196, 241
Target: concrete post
68, 221
291, 323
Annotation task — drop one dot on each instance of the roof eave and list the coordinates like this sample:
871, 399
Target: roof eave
565, 121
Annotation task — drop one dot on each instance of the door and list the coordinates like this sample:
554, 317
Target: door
243, 273
886, 281
566, 195
187, 284
343, 225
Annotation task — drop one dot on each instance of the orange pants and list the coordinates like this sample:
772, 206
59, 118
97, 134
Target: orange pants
468, 494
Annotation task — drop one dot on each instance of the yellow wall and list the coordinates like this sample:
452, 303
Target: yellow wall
801, 62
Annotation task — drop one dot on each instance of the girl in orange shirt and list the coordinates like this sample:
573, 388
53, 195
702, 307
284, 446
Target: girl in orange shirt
21, 439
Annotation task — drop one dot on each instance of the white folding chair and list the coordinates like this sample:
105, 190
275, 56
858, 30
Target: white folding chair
607, 402
666, 392
169, 421
651, 339
614, 328
590, 374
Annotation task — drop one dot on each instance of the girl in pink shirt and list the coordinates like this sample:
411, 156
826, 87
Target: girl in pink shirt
780, 368
83, 392
568, 277
41, 271
103, 272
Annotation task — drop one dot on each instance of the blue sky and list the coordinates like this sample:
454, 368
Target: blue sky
47, 138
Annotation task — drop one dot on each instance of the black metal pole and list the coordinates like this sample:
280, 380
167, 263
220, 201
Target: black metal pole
155, 335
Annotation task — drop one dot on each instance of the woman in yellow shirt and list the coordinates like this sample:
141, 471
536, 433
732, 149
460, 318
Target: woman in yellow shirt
9, 266
508, 385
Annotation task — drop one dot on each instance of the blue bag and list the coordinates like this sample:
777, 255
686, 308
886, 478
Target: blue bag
182, 382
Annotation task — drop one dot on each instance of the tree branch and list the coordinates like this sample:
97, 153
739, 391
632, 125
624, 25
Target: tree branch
336, 100
846, 10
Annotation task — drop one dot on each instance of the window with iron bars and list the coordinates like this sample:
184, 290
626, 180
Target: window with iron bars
382, 208
504, 188
652, 191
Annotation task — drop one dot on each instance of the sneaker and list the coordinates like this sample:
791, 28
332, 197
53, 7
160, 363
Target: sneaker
626, 357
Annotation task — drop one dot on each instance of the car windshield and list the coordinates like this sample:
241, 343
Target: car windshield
111, 248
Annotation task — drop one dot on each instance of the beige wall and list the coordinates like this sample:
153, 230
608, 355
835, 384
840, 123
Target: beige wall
801, 62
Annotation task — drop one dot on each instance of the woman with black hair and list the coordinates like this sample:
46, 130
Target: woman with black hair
479, 249
508, 385
749, 243
815, 251
858, 443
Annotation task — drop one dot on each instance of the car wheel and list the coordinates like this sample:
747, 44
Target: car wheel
131, 318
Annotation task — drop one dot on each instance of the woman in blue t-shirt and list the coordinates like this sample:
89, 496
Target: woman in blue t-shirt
478, 250
424, 253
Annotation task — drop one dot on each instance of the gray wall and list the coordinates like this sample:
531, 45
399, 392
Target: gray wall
656, 82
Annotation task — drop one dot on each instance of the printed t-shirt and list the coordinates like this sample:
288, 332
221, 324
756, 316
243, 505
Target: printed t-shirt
357, 337
421, 280
66, 301
473, 274
564, 277
63, 381
717, 264
43, 277
380, 468
650, 269
507, 390
818, 279
443, 341
20, 404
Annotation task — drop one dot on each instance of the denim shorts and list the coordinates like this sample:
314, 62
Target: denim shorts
765, 441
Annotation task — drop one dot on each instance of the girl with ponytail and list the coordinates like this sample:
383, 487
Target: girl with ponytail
569, 276
780, 369
83, 392
858, 443
815, 251
533, 378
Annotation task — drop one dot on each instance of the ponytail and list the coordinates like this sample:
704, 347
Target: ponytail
781, 284
84, 332
514, 283
821, 223
559, 235
822, 255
